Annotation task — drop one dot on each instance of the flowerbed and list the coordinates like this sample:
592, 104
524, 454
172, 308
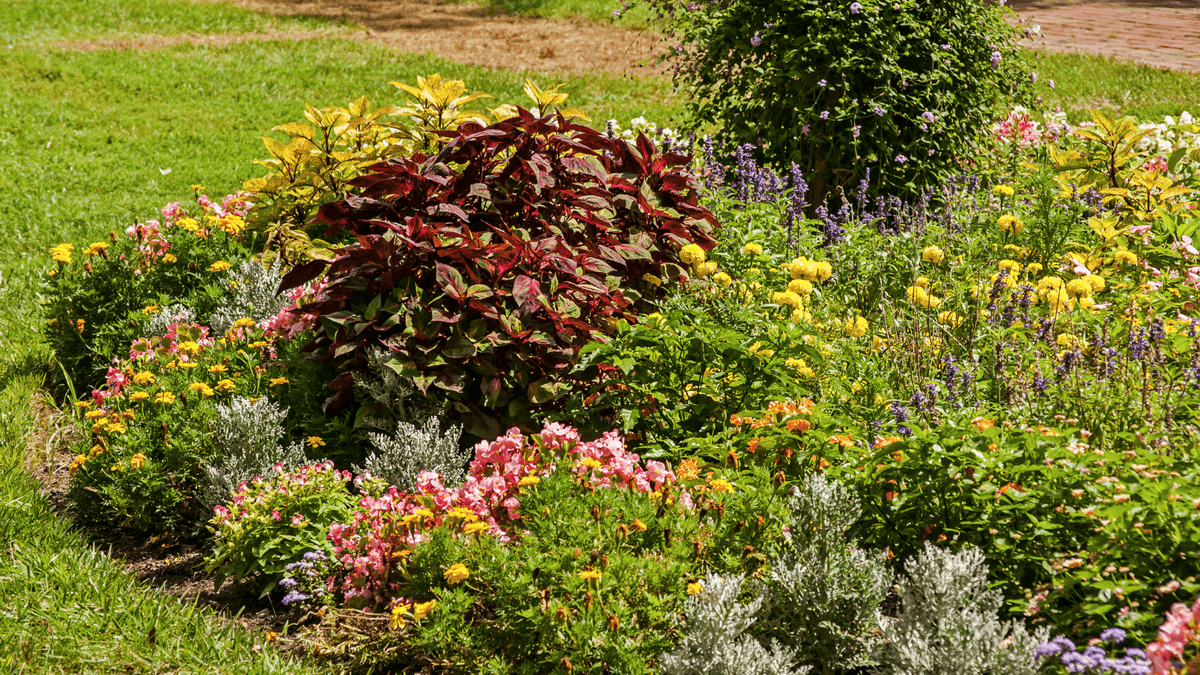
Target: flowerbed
532, 397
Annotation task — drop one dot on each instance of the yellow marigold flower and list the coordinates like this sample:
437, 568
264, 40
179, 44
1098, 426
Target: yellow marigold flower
150, 309
1057, 299
917, 296
590, 462
638, 525
96, 247
75, 465
244, 322
80, 324
258, 343
1033, 269
218, 368
143, 378
188, 224
590, 575
170, 258
752, 249
62, 253
96, 450
1096, 281
1047, 284
933, 254
878, 344
456, 573
705, 269
1003, 191
137, 461
189, 347
225, 386
723, 279
856, 327
396, 621
1087, 303
187, 365
692, 254
218, 266
801, 367
1121, 257
921, 282
119, 466
719, 485
1010, 223
1013, 267
115, 428
801, 315
422, 609
695, 588
474, 528
164, 398
232, 225
1079, 288
786, 299
801, 287
949, 318
93, 414
528, 481
83, 404
277, 381
138, 396
315, 441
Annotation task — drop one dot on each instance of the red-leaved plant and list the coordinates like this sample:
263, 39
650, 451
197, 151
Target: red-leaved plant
485, 268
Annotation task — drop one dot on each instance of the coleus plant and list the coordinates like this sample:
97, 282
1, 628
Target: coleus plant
485, 268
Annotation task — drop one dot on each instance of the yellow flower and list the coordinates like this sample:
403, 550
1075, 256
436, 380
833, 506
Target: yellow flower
695, 588
801, 367
856, 327
258, 344
801, 287
277, 381
590, 462
244, 322
96, 450
786, 299
188, 365
456, 573
752, 249
143, 378
219, 266
137, 461
164, 398
1013, 267
138, 396
918, 296
651, 279
1121, 257
590, 575
638, 525
62, 253
1010, 223
705, 269
933, 254
315, 441
473, 528
396, 621
188, 225
149, 309
225, 386
721, 485
1079, 288
79, 325
1096, 282
1033, 269
96, 247
93, 414
527, 481
170, 258
218, 369
948, 318
723, 279
422, 609
1003, 191
692, 254
83, 404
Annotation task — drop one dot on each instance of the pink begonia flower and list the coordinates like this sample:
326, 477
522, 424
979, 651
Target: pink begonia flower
297, 520
1193, 277
1154, 285
275, 514
1185, 244
1079, 268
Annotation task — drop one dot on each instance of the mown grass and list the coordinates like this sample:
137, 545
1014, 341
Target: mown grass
1083, 83
596, 11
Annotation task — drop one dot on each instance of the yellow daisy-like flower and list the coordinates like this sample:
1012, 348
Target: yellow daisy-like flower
218, 369
422, 609
1010, 224
219, 266
62, 253
695, 588
692, 254
801, 287
225, 386
1003, 191
95, 248
752, 249
638, 525
188, 225
187, 365
150, 309
244, 322
1034, 269
170, 258
278, 381
801, 367
164, 398
137, 461
396, 621
933, 254
1124, 257
474, 528
93, 414
143, 378
591, 575
723, 279
528, 481
721, 485
590, 462
456, 573
138, 396
315, 441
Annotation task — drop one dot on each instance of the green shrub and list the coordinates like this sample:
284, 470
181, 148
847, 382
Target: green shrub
900, 88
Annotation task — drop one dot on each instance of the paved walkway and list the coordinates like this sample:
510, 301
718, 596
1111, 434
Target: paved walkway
1162, 33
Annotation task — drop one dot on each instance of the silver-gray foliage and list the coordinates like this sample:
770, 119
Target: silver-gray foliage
824, 590
253, 295
158, 324
716, 641
247, 435
949, 623
409, 450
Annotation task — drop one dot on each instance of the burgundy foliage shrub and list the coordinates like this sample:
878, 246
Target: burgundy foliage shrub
485, 268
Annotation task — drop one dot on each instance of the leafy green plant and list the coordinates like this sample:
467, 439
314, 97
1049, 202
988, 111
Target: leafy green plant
517, 244
900, 88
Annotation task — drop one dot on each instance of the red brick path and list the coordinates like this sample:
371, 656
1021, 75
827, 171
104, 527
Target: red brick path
1162, 33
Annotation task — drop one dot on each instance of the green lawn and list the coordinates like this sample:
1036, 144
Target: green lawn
1086, 82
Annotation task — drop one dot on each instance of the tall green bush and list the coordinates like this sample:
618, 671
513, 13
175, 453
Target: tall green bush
901, 88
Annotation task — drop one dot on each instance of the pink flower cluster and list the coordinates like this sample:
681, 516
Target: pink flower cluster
394, 522
290, 322
1018, 128
1181, 630
258, 490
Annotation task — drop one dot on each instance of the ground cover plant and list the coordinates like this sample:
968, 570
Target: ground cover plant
981, 396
